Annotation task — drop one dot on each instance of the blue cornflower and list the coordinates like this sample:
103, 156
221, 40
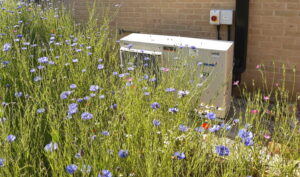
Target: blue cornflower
146, 93
130, 68
129, 46
105, 133
105, 173
6, 47
75, 60
248, 141
121, 75
86, 116
2, 120
236, 120
86, 169
73, 108
123, 153
156, 123
71, 168
79, 100
114, 106
40, 110
86, 98
92, 95
102, 96
19, 36
43, 60
11, 138
115, 73
40, 67
32, 70
37, 78
5, 63
199, 129
100, 66
146, 77
183, 128
222, 125
173, 110
211, 116
170, 90
73, 86
215, 128
51, 147
193, 47
94, 88
183, 93
228, 127
155, 105
179, 155
65, 94
18, 94
77, 155
244, 134
222, 150
2, 162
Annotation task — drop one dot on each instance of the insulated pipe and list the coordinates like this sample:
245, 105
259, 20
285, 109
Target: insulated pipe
241, 38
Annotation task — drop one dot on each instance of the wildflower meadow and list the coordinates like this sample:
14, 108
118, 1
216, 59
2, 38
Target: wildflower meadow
68, 108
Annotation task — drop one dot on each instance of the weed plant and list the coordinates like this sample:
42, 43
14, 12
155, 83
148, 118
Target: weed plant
69, 109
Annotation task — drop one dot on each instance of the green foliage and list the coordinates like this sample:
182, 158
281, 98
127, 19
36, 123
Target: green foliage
130, 124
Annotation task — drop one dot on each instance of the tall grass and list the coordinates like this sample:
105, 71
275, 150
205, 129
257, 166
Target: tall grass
36, 94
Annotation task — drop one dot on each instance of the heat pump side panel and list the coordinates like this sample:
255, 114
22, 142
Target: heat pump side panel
228, 81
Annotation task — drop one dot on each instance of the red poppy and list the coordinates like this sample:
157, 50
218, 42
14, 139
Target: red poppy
205, 125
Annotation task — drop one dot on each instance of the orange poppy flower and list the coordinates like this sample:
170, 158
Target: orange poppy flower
205, 125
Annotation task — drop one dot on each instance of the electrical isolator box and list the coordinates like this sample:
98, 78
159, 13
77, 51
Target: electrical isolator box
214, 17
226, 17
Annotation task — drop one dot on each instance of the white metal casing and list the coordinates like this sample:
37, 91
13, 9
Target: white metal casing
214, 17
226, 17
218, 92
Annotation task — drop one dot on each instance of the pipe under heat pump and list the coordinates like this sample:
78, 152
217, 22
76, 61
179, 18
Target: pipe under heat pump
241, 38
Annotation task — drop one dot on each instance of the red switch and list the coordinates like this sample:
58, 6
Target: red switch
214, 18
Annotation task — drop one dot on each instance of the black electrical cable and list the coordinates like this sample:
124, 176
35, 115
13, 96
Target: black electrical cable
229, 32
218, 30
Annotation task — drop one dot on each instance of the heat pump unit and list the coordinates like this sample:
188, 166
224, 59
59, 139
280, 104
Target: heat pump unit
215, 55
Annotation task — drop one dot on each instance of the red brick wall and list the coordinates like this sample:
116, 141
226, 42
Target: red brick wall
274, 28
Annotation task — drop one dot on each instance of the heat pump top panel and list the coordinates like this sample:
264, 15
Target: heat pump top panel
178, 41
